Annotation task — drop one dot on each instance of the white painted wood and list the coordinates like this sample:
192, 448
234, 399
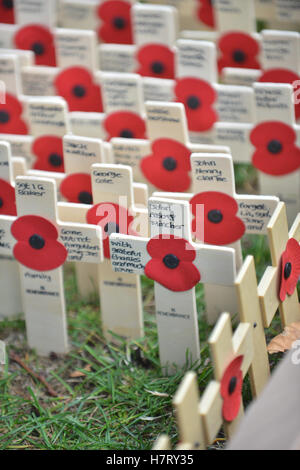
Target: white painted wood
280, 49
176, 311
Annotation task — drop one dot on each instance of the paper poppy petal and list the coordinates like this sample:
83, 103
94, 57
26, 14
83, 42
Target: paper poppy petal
25, 226
156, 54
176, 180
74, 185
205, 13
116, 22
228, 229
10, 116
159, 247
7, 13
50, 256
125, 124
49, 153
286, 157
283, 76
76, 86
238, 43
37, 38
7, 198
180, 279
232, 378
289, 282
266, 131
201, 116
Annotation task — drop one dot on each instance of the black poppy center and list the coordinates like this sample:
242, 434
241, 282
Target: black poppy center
119, 22
85, 197
232, 385
274, 146
8, 4
169, 163
79, 91
287, 270
111, 227
126, 133
38, 48
215, 216
1, 202
37, 242
239, 56
157, 67
193, 102
55, 159
4, 117
171, 261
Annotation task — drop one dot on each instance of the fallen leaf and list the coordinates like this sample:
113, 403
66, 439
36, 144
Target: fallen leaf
79, 373
157, 394
285, 340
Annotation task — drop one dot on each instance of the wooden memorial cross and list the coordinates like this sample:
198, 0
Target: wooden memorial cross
206, 101
10, 289
2, 356
199, 421
167, 125
274, 292
282, 176
155, 29
123, 103
276, 409
114, 209
270, 144
41, 244
79, 154
214, 187
177, 267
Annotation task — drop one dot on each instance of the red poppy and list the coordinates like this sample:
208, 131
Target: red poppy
283, 76
112, 218
206, 12
38, 39
290, 268
156, 60
7, 14
77, 188
125, 124
49, 152
76, 86
276, 152
172, 263
7, 198
238, 50
116, 18
221, 225
168, 166
231, 389
10, 116
37, 246
197, 96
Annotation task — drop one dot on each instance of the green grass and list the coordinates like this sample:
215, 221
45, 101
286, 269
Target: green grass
123, 401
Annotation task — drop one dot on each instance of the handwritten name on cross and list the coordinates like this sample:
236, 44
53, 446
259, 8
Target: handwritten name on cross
113, 207
177, 267
42, 243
